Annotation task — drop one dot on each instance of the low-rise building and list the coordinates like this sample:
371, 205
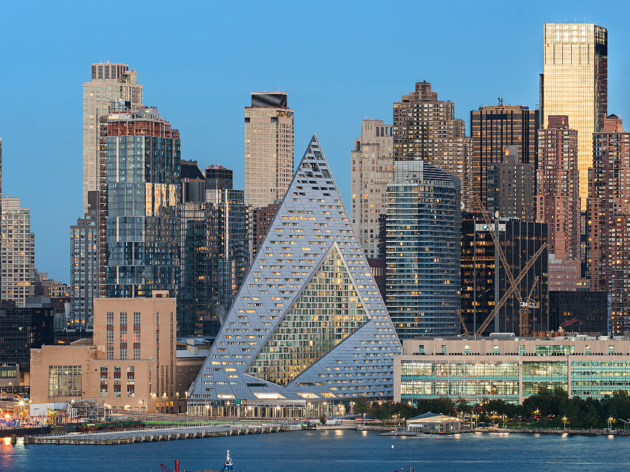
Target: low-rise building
129, 363
510, 368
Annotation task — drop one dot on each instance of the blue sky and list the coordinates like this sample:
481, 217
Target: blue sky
339, 61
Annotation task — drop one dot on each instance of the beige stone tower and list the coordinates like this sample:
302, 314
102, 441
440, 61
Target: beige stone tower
268, 148
108, 82
372, 168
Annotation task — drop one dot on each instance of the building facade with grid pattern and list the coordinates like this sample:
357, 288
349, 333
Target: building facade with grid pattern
308, 324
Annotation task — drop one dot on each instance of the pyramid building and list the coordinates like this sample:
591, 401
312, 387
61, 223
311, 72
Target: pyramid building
308, 324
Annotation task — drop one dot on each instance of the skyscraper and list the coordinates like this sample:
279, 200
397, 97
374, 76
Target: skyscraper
425, 129
511, 187
558, 199
18, 252
575, 84
287, 337
193, 294
84, 266
423, 250
483, 285
493, 128
143, 193
268, 148
608, 228
229, 247
108, 82
372, 168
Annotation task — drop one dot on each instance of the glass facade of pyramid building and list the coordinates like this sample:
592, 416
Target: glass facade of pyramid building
308, 327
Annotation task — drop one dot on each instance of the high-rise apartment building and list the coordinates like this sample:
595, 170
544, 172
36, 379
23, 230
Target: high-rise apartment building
425, 129
511, 187
18, 252
268, 148
193, 294
558, 199
141, 208
423, 250
287, 336
608, 228
372, 168
492, 129
262, 219
575, 84
84, 266
107, 82
483, 285
229, 247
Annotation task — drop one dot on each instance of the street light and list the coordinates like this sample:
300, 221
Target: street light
564, 421
610, 420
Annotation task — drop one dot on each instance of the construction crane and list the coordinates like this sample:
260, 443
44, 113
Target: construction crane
514, 283
566, 324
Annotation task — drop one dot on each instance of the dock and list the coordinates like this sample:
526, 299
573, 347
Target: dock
156, 434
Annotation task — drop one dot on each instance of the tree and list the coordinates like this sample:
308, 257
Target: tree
592, 416
463, 406
361, 405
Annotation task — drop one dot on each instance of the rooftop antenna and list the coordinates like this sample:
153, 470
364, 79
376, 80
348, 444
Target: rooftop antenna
500, 101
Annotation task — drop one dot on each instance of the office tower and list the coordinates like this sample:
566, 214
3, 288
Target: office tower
268, 148
193, 294
263, 217
493, 128
108, 82
425, 129
84, 266
2, 276
289, 286
18, 252
218, 178
141, 207
131, 362
423, 250
558, 199
24, 328
372, 168
511, 187
229, 248
586, 312
483, 286
575, 84
608, 227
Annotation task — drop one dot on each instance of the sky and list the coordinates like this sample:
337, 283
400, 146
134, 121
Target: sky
339, 62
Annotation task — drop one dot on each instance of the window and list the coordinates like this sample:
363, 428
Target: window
64, 381
421, 349
136, 353
110, 336
443, 349
136, 319
521, 349
587, 349
110, 318
123, 353
611, 349
466, 349
123, 335
136, 337
110, 353
123, 319
495, 349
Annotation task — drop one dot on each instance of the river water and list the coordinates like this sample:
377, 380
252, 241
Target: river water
346, 451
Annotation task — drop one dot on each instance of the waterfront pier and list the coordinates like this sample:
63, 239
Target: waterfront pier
157, 434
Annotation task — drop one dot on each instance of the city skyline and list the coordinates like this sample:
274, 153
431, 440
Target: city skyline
217, 137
